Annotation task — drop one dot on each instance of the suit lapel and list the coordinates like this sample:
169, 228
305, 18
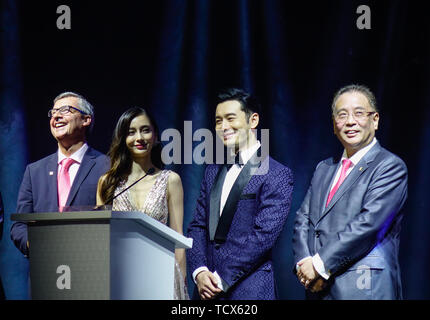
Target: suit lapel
51, 179
352, 177
327, 182
215, 197
88, 161
349, 181
233, 198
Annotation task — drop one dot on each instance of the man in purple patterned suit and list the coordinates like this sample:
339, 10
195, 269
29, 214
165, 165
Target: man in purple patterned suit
241, 210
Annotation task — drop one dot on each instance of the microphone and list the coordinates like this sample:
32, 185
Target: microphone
150, 171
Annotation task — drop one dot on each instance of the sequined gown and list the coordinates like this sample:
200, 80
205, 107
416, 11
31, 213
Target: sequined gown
156, 207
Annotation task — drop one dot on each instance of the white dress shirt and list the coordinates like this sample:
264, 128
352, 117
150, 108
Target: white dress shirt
229, 181
316, 259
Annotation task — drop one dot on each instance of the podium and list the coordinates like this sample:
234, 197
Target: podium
101, 255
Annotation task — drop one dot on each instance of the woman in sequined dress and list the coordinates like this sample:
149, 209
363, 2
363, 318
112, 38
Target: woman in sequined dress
134, 152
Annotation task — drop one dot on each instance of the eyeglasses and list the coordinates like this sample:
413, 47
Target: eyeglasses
63, 110
358, 115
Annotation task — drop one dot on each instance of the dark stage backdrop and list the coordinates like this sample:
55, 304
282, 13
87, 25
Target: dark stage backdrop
171, 57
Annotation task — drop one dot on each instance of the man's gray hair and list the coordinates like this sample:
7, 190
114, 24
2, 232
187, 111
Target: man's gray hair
356, 88
83, 104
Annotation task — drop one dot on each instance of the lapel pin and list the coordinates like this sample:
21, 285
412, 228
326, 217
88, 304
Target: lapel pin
51, 173
361, 168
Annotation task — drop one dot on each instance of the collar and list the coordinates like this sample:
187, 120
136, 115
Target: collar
78, 155
248, 153
360, 153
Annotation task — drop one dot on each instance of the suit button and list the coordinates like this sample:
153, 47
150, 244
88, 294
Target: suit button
317, 233
217, 246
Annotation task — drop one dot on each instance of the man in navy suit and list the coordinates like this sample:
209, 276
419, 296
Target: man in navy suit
346, 236
240, 212
70, 119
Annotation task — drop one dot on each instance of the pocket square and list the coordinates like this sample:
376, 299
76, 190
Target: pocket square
247, 196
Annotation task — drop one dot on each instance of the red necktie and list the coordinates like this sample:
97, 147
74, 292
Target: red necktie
64, 182
346, 163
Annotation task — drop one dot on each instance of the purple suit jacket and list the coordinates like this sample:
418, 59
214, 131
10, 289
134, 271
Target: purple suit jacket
244, 259
38, 191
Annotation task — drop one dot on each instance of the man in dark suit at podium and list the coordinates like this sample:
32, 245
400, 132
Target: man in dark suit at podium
68, 177
240, 212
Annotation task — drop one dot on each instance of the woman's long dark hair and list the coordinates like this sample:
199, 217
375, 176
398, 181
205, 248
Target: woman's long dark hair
120, 158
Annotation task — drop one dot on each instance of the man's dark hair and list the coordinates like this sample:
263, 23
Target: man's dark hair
356, 88
248, 103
